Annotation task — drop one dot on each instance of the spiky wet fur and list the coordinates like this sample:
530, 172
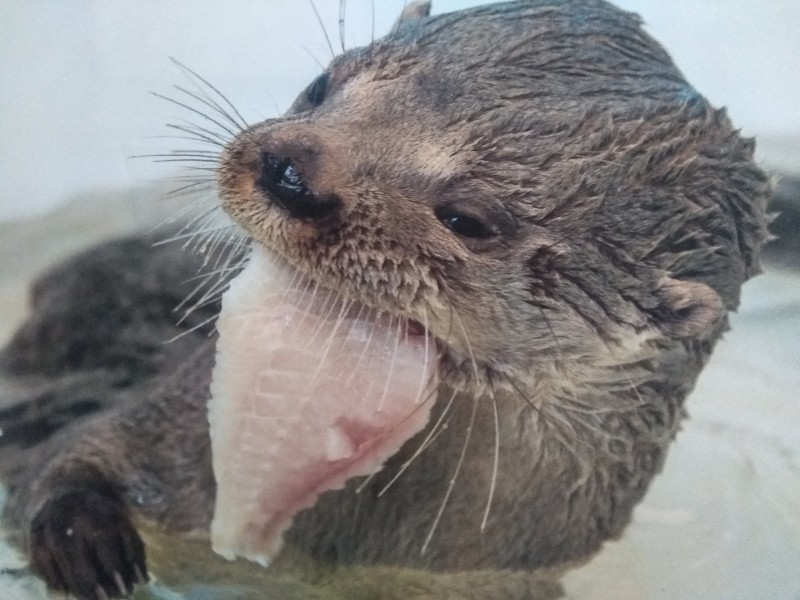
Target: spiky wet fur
626, 211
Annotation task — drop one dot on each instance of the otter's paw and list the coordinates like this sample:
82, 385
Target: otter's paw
83, 543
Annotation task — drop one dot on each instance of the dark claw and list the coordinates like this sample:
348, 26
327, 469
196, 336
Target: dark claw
84, 544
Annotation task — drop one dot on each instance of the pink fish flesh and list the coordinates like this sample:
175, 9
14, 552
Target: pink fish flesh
308, 391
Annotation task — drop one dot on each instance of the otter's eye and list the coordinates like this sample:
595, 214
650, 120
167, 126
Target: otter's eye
317, 90
464, 225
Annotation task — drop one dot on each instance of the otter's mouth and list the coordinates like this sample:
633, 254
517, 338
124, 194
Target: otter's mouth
309, 390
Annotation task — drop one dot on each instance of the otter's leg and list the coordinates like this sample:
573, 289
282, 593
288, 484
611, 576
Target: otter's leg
102, 420
149, 460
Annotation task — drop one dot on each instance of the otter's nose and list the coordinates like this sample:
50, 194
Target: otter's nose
282, 182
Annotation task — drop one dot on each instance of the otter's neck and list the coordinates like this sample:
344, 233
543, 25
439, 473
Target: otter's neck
571, 464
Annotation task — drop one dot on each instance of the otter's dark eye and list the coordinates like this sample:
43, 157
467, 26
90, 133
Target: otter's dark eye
464, 225
318, 89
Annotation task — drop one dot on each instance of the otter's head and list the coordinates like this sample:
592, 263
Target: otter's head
533, 181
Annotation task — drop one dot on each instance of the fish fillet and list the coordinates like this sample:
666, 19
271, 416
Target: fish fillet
308, 391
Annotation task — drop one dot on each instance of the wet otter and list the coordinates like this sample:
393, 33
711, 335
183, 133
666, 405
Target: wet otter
535, 183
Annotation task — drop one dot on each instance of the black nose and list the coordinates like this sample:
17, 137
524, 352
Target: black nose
282, 182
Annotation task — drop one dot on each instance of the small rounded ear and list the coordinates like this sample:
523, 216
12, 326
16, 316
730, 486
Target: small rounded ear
687, 308
414, 11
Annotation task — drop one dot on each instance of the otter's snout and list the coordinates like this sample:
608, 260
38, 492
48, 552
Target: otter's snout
280, 179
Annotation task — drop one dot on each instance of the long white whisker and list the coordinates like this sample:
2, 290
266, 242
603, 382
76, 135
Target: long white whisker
391, 364
322, 26
345, 306
192, 330
495, 464
422, 446
454, 478
342, 11
331, 337
367, 344
214, 89
469, 348
196, 111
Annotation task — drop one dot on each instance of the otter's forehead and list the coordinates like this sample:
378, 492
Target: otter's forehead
541, 55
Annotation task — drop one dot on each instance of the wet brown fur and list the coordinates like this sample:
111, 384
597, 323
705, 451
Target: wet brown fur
626, 214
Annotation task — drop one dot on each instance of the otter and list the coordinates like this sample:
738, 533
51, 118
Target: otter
538, 186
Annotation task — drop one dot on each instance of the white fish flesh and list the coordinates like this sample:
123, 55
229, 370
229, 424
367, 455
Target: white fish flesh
308, 391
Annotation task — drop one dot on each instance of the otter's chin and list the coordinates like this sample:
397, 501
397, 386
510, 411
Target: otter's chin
309, 390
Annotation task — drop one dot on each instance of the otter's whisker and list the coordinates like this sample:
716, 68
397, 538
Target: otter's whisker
331, 301
187, 231
442, 428
204, 169
218, 284
354, 321
234, 245
206, 101
372, 18
322, 26
315, 59
216, 272
432, 433
202, 192
211, 295
212, 242
215, 90
469, 348
189, 297
342, 11
391, 364
208, 248
200, 131
426, 356
191, 161
201, 242
454, 478
329, 343
187, 236
311, 301
200, 155
185, 179
200, 134
309, 283
189, 138
293, 278
275, 104
197, 112
364, 351
495, 463
208, 297
200, 325
179, 214
360, 487
344, 307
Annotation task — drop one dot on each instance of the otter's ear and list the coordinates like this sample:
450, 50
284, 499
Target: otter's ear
414, 11
687, 308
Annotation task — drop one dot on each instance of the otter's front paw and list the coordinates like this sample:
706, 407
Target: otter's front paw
83, 543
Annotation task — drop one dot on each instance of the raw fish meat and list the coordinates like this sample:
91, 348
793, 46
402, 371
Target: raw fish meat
308, 391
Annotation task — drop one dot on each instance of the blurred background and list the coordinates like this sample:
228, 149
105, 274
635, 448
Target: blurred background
723, 521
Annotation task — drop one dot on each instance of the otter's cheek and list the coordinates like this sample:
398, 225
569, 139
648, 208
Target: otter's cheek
308, 391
